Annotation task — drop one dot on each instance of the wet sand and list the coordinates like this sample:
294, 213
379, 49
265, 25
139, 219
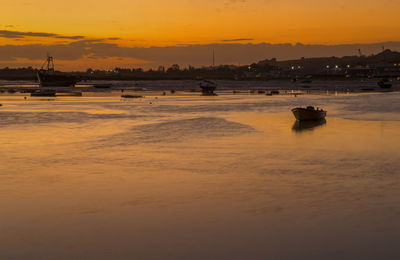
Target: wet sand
188, 177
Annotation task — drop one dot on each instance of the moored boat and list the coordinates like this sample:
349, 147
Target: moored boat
131, 96
208, 88
69, 93
309, 113
102, 85
48, 77
44, 93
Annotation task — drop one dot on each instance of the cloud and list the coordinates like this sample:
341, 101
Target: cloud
195, 54
238, 40
20, 35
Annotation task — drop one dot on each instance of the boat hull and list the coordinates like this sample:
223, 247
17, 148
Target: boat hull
302, 114
44, 93
55, 80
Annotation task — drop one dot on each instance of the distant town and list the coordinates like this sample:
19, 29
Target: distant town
382, 65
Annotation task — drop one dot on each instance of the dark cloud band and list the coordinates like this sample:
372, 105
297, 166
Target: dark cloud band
195, 55
19, 35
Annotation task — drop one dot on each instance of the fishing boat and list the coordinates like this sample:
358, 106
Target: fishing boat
308, 114
48, 77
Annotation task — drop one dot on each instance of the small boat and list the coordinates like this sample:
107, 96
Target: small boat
44, 93
131, 96
384, 83
367, 89
69, 94
208, 87
103, 85
273, 92
306, 81
308, 114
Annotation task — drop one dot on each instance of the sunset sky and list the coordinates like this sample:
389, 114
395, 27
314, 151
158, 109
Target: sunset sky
130, 23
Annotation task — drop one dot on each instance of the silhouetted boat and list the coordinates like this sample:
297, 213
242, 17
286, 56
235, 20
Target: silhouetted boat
69, 94
384, 83
367, 89
273, 92
102, 85
48, 77
306, 81
308, 114
208, 88
44, 93
131, 96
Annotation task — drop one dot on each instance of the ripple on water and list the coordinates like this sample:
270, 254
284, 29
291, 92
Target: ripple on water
179, 130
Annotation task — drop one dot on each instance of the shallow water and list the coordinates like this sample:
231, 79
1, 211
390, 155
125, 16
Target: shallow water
228, 177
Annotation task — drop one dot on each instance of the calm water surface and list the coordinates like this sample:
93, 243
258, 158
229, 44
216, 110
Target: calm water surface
228, 177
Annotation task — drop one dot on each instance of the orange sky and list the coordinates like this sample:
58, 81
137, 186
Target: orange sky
181, 22
160, 22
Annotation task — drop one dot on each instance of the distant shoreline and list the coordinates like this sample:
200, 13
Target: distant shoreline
249, 86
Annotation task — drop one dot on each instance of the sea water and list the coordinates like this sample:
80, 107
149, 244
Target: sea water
190, 177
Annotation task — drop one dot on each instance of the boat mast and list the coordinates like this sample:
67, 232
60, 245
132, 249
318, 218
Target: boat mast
49, 63
213, 57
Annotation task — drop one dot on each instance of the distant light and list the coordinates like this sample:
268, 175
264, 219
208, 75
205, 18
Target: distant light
327, 66
292, 67
348, 66
299, 67
249, 67
337, 66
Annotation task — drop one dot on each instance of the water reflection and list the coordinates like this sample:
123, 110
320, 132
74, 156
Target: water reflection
300, 126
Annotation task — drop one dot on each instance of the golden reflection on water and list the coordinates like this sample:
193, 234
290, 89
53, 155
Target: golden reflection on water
250, 188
